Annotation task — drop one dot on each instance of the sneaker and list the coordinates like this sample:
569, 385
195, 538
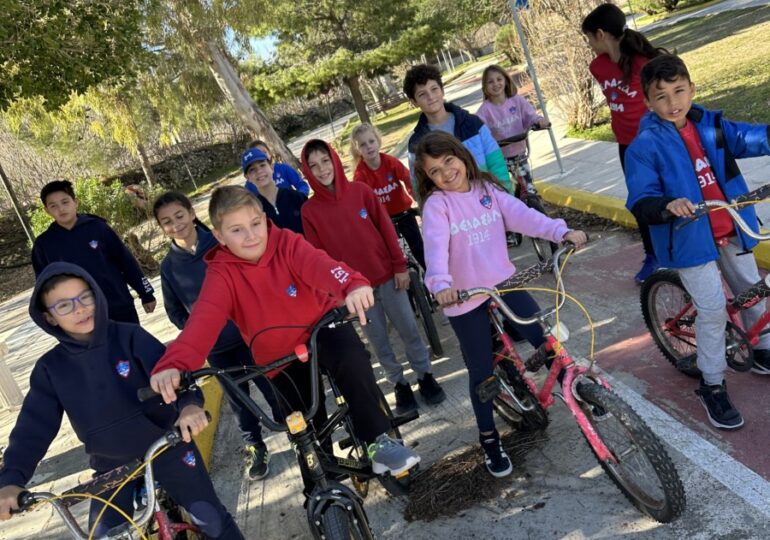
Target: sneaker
649, 266
497, 461
405, 402
761, 362
721, 412
258, 461
391, 456
430, 390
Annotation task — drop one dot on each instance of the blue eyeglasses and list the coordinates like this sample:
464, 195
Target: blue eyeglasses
65, 306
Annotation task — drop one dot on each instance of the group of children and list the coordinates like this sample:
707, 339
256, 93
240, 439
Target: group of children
275, 262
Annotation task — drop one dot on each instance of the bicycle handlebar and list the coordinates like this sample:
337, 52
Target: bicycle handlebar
513, 139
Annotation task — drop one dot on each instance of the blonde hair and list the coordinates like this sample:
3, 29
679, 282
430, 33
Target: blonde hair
228, 199
357, 132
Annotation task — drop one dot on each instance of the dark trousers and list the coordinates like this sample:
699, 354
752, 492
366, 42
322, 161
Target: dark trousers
345, 359
644, 229
181, 472
249, 425
408, 228
472, 330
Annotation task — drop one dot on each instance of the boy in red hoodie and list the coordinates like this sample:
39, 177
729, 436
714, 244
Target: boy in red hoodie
274, 285
370, 245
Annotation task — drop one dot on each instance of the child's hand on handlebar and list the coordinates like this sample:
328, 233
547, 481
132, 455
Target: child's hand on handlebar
9, 500
447, 297
681, 207
578, 238
544, 124
165, 383
192, 420
358, 301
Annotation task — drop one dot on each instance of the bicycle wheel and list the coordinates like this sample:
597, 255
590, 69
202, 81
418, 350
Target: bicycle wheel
664, 299
426, 314
643, 470
519, 419
338, 524
543, 248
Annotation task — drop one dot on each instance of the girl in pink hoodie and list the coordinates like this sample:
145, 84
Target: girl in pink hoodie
466, 214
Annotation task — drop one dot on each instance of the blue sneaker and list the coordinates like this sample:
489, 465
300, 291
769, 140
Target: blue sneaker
649, 266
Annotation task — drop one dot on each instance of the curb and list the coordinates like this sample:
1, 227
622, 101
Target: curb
212, 393
614, 209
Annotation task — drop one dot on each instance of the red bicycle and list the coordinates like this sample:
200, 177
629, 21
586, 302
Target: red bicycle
628, 451
670, 315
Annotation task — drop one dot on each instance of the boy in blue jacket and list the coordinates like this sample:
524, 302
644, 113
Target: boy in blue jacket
93, 375
284, 175
88, 241
682, 155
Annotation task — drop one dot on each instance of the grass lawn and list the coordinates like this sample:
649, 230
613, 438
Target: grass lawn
684, 7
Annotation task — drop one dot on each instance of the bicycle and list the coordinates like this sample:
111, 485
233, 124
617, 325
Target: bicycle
526, 193
422, 302
161, 516
670, 315
628, 451
334, 511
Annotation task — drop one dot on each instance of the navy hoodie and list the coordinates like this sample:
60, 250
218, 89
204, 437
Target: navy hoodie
94, 246
95, 383
286, 213
181, 277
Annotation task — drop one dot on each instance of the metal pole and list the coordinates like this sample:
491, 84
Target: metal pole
533, 75
633, 15
329, 111
449, 54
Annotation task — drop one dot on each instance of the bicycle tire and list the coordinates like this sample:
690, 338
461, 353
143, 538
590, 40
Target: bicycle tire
543, 248
640, 447
520, 420
337, 525
664, 297
426, 314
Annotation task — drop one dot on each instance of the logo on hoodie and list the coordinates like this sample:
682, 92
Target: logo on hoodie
94, 244
486, 201
123, 367
363, 213
189, 458
292, 291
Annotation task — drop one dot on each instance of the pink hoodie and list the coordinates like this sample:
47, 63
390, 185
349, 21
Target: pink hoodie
464, 236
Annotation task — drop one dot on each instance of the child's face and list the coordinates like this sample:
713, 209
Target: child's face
177, 221
448, 172
494, 84
368, 145
260, 174
671, 100
320, 164
429, 97
70, 305
244, 232
62, 208
596, 41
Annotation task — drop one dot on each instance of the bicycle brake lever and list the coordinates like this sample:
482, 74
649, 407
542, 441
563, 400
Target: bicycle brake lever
699, 213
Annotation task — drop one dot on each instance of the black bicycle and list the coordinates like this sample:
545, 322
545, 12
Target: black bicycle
334, 511
422, 301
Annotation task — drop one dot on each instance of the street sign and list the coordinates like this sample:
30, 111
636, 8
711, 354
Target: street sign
521, 4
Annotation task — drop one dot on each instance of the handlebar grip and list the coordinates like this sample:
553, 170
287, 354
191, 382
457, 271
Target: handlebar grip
146, 394
24, 500
665, 215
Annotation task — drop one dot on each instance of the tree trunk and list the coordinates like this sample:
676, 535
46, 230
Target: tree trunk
17, 207
358, 99
144, 161
248, 111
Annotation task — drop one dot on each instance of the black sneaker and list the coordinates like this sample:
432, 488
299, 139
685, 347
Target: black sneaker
497, 461
258, 461
721, 412
761, 362
405, 402
430, 390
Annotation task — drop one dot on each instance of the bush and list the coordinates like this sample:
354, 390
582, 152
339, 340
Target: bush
507, 43
652, 7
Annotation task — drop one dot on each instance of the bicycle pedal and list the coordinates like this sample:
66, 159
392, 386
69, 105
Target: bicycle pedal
345, 443
488, 389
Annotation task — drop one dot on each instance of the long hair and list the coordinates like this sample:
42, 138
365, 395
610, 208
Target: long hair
510, 87
438, 144
171, 197
611, 19
357, 132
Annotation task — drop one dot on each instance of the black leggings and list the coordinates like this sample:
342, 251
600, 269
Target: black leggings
644, 229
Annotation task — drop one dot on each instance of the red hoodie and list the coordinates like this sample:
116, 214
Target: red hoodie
292, 284
351, 225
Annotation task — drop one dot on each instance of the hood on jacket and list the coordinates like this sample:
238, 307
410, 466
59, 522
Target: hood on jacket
340, 180
99, 335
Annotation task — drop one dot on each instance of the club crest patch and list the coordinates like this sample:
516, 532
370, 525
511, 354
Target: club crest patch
292, 291
189, 458
363, 213
486, 201
512, 109
94, 244
123, 367
613, 96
